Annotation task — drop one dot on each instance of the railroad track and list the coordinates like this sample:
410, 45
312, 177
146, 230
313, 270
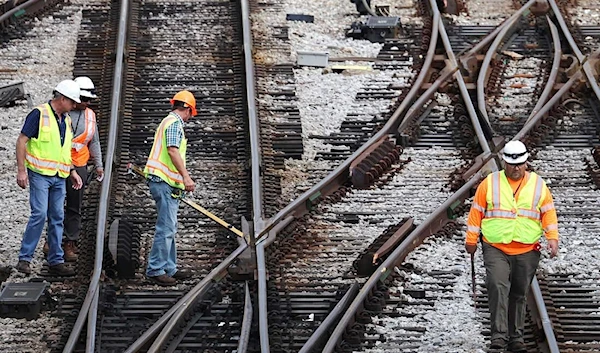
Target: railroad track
320, 248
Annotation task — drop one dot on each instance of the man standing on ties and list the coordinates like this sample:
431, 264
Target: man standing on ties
511, 209
166, 173
44, 162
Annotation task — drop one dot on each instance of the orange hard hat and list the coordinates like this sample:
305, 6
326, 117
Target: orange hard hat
186, 97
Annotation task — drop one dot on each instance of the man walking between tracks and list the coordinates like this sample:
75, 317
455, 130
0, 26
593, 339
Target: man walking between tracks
512, 208
44, 162
86, 144
167, 176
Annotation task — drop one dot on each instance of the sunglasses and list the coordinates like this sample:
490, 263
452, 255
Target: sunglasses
515, 155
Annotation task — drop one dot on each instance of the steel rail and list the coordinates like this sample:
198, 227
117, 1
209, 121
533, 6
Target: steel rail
587, 68
532, 122
257, 191
8, 14
425, 229
553, 71
542, 312
321, 331
172, 317
261, 272
485, 41
341, 173
485, 67
179, 310
191, 320
414, 239
463, 87
426, 96
254, 123
263, 319
87, 309
246, 322
366, 6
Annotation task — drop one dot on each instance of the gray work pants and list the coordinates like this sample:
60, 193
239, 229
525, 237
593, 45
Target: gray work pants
508, 278
73, 206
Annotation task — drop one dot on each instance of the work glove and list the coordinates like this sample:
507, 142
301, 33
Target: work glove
471, 249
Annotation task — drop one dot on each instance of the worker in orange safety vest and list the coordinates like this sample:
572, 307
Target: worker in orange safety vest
511, 209
86, 145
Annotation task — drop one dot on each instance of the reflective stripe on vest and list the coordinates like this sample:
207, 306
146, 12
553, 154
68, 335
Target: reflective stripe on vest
159, 162
80, 152
507, 219
44, 154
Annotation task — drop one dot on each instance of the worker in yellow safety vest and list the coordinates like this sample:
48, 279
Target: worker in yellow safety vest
44, 162
511, 209
166, 170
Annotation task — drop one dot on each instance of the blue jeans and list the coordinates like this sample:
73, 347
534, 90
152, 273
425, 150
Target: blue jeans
47, 200
163, 256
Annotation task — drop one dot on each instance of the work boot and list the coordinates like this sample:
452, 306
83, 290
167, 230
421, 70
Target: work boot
498, 343
70, 251
182, 274
517, 347
46, 248
24, 267
61, 270
163, 280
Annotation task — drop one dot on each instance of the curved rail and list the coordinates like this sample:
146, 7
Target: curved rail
323, 328
587, 68
434, 221
485, 66
178, 311
246, 322
329, 184
553, 70
412, 241
5, 17
340, 174
90, 304
485, 41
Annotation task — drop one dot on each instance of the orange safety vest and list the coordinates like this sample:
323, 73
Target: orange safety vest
80, 153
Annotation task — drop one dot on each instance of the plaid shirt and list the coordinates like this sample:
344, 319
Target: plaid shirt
174, 132
174, 135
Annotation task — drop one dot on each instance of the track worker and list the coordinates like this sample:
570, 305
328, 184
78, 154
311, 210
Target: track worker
512, 208
167, 176
44, 162
86, 144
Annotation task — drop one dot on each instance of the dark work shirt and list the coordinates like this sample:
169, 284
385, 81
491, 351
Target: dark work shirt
31, 127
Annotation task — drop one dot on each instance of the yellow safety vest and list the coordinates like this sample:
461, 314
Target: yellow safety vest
159, 162
507, 219
44, 154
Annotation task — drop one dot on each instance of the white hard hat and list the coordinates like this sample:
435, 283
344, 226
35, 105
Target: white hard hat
69, 89
87, 87
515, 152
